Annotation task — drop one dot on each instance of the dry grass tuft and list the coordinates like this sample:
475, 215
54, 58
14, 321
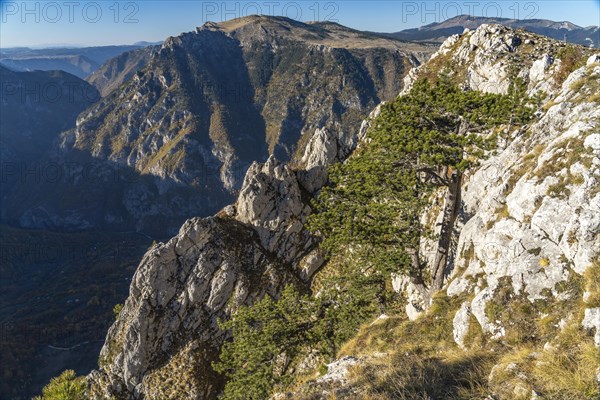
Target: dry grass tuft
424, 363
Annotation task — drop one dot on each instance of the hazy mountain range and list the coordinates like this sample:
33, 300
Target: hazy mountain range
566, 31
84, 61
79, 61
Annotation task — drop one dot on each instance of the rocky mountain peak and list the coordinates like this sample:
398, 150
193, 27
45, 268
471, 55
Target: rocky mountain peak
491, 57
530, 211
210, 268
260, 21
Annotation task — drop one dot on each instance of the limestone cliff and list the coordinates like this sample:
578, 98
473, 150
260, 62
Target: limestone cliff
167, 333
529, 212
522, 287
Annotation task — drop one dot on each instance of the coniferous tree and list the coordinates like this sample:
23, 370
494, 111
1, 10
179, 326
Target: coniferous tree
422, 141
371, 212
66, 386
267, 338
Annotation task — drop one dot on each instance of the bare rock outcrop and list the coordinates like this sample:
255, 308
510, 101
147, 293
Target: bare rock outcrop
535, 207
531, 212
167, 335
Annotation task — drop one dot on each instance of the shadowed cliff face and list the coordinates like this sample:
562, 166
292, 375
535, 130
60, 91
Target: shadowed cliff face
35, 107
205, 106
30, 104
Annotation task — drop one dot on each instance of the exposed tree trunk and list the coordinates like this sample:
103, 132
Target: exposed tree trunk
381, 297
416, 276
416, 271
451, 210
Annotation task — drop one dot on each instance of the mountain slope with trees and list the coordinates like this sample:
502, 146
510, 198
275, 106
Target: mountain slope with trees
520, 277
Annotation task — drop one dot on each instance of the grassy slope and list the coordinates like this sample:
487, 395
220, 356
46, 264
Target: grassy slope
545, 351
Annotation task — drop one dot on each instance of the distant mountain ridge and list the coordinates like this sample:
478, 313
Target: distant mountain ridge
85, 62
80, 62
119, 69
437, 32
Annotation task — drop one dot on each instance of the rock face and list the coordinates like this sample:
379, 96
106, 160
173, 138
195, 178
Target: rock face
338, 370
176, 138
167, 335
30, 104
530, 213
461, 324
591, 321
535, 208
492, 57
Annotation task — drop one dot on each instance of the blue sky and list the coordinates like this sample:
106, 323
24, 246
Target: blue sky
103, 22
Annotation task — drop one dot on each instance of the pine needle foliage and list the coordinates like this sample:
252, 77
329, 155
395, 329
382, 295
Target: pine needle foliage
375, 199
369, 215
267, 338
66, 386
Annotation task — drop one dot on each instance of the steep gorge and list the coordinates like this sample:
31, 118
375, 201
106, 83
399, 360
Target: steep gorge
175, 139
